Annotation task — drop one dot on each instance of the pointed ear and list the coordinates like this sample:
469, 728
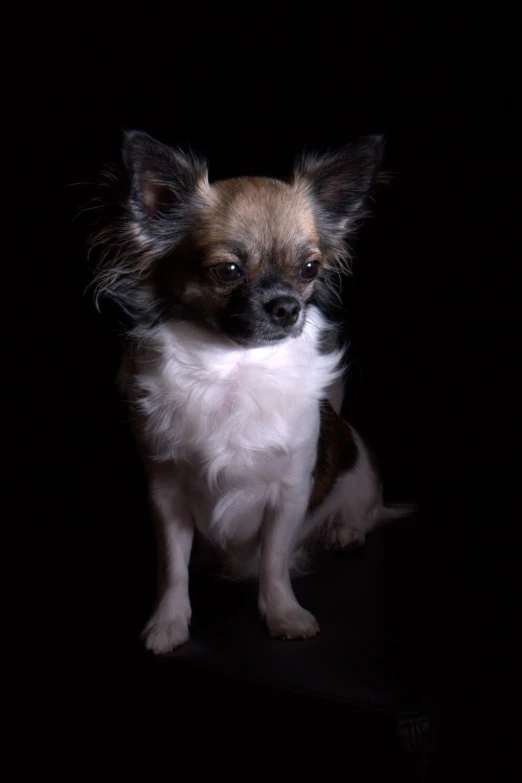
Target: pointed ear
162, 180
338, 184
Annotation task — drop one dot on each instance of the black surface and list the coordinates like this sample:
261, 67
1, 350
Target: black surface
372, 604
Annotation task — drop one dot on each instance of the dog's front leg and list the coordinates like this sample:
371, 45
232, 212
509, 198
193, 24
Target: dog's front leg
277, 602
168, 627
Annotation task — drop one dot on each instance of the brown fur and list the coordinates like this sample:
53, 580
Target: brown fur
336, 453
264, 221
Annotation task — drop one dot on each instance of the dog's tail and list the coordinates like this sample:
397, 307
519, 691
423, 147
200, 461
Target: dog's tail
393, 511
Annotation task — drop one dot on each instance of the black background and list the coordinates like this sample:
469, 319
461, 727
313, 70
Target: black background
249, 94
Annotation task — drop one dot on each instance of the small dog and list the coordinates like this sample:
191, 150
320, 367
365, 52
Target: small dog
233, 372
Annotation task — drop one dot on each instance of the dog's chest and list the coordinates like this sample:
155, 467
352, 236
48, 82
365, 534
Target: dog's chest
230, 409
240, 410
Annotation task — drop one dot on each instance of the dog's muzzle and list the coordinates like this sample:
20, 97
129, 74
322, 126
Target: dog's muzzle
283, 311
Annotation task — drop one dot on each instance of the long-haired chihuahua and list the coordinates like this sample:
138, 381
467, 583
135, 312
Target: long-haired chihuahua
232, 371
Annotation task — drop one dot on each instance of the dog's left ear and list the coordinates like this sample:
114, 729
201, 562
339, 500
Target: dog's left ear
339, 183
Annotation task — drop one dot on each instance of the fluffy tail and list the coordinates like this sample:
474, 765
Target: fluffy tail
396, 511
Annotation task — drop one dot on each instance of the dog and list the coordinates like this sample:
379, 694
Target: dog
232, 371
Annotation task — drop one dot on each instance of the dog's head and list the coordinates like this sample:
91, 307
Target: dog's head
241, 256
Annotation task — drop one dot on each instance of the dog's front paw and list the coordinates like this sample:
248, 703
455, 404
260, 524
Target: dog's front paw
293, 623
165, 635
168, 627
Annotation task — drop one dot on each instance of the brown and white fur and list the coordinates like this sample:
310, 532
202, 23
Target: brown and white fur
233, 381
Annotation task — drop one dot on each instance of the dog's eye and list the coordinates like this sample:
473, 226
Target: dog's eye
227, 273
310, 270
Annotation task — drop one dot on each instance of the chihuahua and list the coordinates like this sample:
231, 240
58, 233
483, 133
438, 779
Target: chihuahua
233, 372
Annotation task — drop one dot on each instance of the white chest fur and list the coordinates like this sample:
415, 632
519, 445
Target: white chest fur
205, 400
231, 418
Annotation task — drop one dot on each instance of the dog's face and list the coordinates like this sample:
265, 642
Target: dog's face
253, 258
242, 256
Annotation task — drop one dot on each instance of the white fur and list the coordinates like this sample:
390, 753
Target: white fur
230, 437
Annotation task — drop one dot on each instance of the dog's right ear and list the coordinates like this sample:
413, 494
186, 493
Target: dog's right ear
162, 180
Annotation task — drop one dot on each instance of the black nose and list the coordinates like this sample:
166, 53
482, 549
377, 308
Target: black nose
283, 310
